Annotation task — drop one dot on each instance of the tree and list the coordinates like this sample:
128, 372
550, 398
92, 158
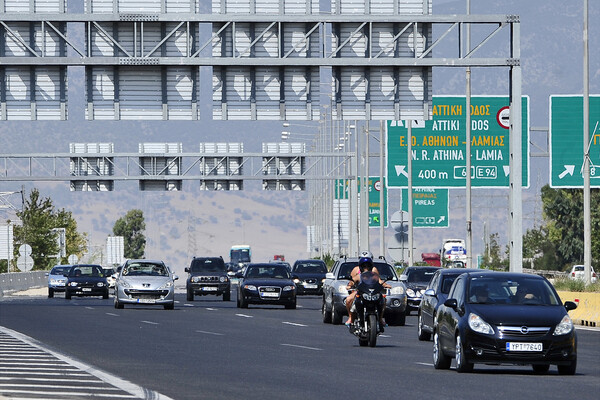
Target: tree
76, 243
38, 221
493, 259
132, 227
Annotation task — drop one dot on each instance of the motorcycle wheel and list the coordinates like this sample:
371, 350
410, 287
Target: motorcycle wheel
372, 330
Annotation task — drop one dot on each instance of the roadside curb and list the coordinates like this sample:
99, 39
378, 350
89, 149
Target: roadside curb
587, 312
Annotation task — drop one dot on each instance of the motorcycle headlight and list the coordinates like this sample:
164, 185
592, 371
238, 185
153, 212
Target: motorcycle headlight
166, 285
564, 327
288, 288
342, 288
410, 292
397, 290
250, 287
477, 324
371, 297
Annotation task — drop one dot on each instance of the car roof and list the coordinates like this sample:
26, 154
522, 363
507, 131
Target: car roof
487, 272
457, 271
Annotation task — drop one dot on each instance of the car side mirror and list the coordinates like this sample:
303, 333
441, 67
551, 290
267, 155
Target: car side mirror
451, 303
570, 305
186, 269
239, 275
429, 292
329, 275
403, 278
46, 274
175, 277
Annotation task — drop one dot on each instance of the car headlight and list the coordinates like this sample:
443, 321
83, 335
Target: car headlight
342, 288
397, 290
323, 280
166, 285
100, 284
410, 292
564, 327
73, 284
223, 279
250, 287
296, 281
123, 283
477, 324
288, 288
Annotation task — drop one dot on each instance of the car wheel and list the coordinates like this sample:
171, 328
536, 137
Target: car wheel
50, 292
325, 313
118, 304
105, 295
190, 295
568, 369
336, 317
170, 306
67, 295
440, 360
462, 364
227, 296
243, 303
291, 306
540, 368
423, 336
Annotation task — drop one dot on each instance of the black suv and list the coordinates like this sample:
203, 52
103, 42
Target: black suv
207, 275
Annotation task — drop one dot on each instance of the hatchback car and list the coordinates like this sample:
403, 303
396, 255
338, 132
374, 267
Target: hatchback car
207, 275
86, 280
416, 280
435, 294
57, 281
266, 283
145, 282
504, 318
309, 276
578, 272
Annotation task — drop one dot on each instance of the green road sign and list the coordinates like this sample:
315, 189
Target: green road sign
430, 207
566, 141
342, 190
438, 145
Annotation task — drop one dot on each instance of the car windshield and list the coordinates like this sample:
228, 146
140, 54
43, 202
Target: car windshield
420, 275
310, 268
145, 269
511, 290
86, 271
386, 272
208, 265
60, 270
268, 271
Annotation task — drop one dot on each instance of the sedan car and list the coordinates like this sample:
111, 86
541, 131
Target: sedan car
207, 275
435, 294
86, 280
309, 276
266, 283
501, 317
335, 292
578, 272
57, 280
145, 282
416, 280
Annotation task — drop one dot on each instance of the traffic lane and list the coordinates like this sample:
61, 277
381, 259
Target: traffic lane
249, 356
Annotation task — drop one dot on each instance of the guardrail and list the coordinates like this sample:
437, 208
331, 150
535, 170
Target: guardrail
15, 281
545, 273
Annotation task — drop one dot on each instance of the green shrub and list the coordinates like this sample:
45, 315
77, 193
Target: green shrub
575, 285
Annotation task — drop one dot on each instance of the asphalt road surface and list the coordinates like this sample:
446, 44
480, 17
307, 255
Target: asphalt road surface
209, 349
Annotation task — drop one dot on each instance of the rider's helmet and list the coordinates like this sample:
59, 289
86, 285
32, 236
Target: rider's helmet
365, 260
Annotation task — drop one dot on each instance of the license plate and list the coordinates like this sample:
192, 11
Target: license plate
209, 289
85, 289
269, 294
516, 346
310, 286
147, 301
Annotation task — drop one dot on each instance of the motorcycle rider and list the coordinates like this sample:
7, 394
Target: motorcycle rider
365, 265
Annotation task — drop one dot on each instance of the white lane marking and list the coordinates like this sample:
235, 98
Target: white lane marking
41, 386
45, 393
112, 314
90, 308
427, 364
386, 336
211, 333
188, 305
244, 315
301, 347
211, 309
150, 322
588, 328
6, 378
293, 323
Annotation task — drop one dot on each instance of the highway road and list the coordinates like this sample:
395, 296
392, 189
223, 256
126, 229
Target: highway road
209, 349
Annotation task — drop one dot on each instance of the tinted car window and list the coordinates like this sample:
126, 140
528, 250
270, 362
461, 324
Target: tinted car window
512, 291
345, 270
447, 282
60, 270
145, 269
208, 265
311, 268
86, 270
457, 291
386, 272
420, 275
275, 271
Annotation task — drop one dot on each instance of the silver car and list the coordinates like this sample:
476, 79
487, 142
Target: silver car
145, 282
57, 279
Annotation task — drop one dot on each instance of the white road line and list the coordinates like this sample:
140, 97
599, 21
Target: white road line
90, 308
385, 336
73, 394
293, 323
211, 309
188, 305
211, 333
588, 328
301, 347
70, 380
112, 314
150, 322
28, 372
427, 364
244, 315
40, 386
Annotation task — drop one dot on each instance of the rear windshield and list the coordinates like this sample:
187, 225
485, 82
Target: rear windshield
208, 265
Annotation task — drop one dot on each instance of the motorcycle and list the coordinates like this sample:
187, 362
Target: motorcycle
369, 295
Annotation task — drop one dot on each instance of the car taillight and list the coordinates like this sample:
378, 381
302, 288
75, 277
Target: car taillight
572, 273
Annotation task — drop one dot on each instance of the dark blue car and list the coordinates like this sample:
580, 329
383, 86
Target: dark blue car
309, 276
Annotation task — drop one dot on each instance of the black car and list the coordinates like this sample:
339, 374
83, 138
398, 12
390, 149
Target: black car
435, 294
309, 276
502, 317
207, 275
266, 283
86, 280
416, 280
